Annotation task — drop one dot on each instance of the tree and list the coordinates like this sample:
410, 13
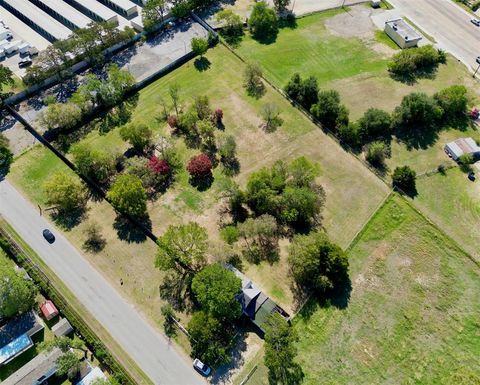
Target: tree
417, 111
61, 115
271, 116
260, 236
280, 352
263, 21
6, 156
159, 166
374, 124
253, 79
17, 293
174, 92
413, 62
280, 5
65, 191
329, 110
68, 364
304, 92
128, 195
215, 289
202, 107
376, 153
93, 163
153, 12
65, 344
168, 323
404, 179
94, 241
316, 264
232, 27
200, 166
453, 101
6, 77
227, 147
206, 132
183, 248
303, 172
300, 206
199, 46
209, 338
138, 135
119, 81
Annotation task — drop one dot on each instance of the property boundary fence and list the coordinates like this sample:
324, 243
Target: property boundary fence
22, 257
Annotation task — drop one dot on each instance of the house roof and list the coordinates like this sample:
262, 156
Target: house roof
48, 309
26, 323
62, 328
94, 374
463, 146
404, 30
36, 371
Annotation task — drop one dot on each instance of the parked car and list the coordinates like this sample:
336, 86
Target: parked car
25, 62
475, 22
204, 369
47, 234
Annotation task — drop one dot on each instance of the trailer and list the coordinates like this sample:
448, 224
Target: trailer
12, 47
2, 53
5, 34
24, 48
3, 43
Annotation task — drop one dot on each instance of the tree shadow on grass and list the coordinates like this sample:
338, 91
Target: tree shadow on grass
129, 231
202, 184
202, 64
69, 220
411, 78
175, 290
418, 137
224, 374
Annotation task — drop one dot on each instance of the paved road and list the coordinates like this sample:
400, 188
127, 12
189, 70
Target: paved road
150, 349
447, 23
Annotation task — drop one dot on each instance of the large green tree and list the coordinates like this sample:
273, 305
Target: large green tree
263, 22
61, 115
153, 12
138, 135
17, 294
316, 264
68, 364
416, 112
199, 46
404, 178
65, 191
93, 163
280, 352
329, 110
6, 77
215, 288
127, 195
183, 248
454, 102
375, 123
260, 238
209, 338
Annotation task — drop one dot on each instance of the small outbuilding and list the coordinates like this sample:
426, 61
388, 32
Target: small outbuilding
62, 328
462, 146
48, 310
402, 33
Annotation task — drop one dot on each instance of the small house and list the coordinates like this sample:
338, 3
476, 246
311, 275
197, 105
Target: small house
48, 310
255, 304
462, 146
62, 328
402, 33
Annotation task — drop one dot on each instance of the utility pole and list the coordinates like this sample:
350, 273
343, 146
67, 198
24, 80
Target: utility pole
478, 67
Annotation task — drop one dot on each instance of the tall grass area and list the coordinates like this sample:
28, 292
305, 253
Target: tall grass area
413, 313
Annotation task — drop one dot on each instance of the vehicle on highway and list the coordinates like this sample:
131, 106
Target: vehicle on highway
475, 22
47, 234
201, 367
478, 59
25, 62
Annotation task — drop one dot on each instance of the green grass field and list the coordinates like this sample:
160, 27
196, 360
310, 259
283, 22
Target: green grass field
412, 317
453, 202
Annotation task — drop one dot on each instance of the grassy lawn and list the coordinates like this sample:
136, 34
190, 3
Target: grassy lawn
412, 317
344, 178
455, 207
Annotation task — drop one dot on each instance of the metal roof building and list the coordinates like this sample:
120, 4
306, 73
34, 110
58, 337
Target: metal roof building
94, 10
37, 19
125, 7
64, 13
462, 146
402, 33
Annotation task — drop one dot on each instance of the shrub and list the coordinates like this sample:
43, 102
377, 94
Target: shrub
304, 92
159, 166
253, 79
411, 62
453, 101
376, 153
329, 111
200, 166
374, 124
229, 234
199, 46
218, 116
404, 178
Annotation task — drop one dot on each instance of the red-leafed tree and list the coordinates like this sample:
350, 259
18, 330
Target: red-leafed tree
218, 116
200, 166
159, 166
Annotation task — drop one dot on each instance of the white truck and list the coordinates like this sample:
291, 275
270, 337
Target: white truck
24, 48
5, 34
12, 47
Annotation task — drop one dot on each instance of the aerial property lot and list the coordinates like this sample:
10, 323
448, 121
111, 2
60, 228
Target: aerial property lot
412, 314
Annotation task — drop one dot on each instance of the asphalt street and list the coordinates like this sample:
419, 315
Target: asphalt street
448, 23
151, 351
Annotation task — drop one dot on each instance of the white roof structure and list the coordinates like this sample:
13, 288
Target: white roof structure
39, 19
462, 146
125, 7
61, 10
93, 375
94, 9
404, 30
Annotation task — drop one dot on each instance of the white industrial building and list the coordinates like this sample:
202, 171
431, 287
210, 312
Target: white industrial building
462, 146
402, 33
94, 10
63, 13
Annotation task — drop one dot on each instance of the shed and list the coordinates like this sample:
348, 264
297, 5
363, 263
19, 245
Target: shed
93, 375
462, 146
49, 310
62, 328
402, 33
